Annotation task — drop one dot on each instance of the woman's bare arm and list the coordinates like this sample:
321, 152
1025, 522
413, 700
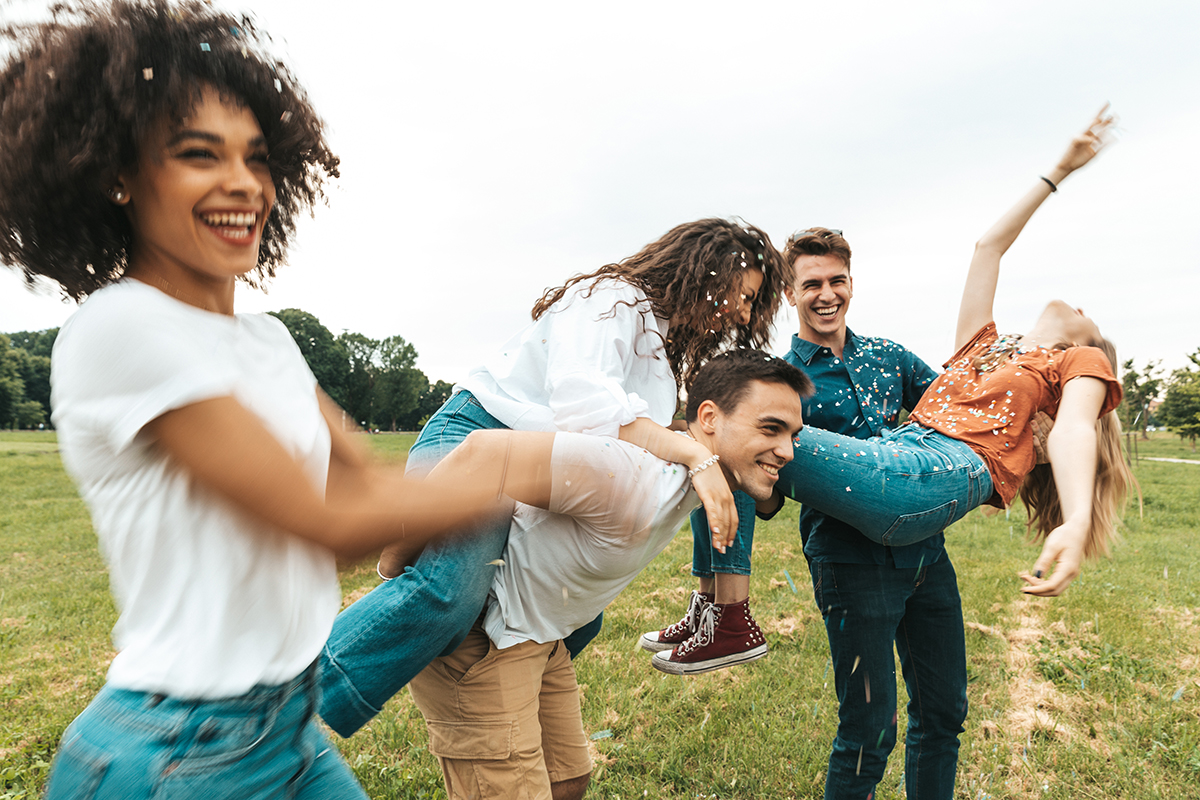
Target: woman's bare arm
227, 450
975, 311
1072, 446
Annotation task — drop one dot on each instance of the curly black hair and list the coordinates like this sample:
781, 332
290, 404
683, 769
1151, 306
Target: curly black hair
82, 90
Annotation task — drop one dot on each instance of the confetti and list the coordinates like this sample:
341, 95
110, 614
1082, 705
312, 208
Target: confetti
499, 562
598, 735
789, 580
148, 74
204, 47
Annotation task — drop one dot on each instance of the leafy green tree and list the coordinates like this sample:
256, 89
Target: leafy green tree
36, 343
28, 414
326, 357
363, 353
1180, 409
398, 384
12, 388
1140, 389
431, 401
35, 372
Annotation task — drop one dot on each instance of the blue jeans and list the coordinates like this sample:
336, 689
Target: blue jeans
736, 558
866, 608
382, 641
897, 489
264, 744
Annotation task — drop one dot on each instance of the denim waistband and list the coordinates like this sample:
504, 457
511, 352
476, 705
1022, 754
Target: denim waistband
159, 713
938, 441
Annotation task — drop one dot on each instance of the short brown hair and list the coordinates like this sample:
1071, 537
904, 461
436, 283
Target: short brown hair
726, 378
816, 242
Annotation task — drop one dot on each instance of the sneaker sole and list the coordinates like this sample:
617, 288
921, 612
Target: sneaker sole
696, 667
647, 642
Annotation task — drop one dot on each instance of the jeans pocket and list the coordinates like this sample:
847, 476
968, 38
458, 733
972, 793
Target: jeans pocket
78, 769
913, 528
220, 745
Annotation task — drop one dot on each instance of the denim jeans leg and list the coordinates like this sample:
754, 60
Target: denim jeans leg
862, 604
329, 776
933, 658
380, 642
736, 559
899, 489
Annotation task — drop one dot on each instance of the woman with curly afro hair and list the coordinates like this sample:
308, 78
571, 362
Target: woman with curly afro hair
605, 354
151, 156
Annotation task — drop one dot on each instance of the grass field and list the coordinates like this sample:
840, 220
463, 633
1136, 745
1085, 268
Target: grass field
1092, 695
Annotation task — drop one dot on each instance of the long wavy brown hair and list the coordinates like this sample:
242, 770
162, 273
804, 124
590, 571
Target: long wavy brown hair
687, 277
1113, 482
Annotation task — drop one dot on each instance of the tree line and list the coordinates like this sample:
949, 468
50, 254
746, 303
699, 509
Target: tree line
375, 380
25, 378
1179, 392
379, 385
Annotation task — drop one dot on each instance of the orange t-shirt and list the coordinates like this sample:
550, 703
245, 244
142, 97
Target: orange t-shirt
990, 410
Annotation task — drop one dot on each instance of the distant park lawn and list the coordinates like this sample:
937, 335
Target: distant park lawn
1092, 695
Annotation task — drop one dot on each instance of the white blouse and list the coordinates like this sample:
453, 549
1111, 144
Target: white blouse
594, 361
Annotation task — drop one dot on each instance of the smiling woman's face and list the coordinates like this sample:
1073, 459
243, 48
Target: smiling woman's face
200, 195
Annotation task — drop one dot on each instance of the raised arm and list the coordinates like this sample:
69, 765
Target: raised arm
1072, 449
975, 311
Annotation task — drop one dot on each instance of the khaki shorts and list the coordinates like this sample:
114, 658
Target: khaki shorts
503, 723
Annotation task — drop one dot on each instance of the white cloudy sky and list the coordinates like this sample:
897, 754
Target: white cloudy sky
491, 150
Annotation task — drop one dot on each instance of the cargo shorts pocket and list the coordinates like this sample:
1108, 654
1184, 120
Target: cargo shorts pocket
471, 741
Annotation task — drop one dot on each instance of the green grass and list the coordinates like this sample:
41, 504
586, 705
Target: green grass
1092, 695
1163, 444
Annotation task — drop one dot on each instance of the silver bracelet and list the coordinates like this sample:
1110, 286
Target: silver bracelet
703, 465
379, 572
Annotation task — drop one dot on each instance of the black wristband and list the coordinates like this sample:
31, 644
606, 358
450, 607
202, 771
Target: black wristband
1049, 183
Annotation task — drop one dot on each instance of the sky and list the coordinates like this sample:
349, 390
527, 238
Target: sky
492, 150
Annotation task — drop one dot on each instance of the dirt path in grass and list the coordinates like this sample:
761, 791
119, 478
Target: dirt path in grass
1038, 712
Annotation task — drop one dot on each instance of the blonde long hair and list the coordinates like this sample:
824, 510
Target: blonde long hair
1113, 482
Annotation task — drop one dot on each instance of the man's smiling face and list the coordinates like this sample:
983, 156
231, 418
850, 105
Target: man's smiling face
821, 294
755, 439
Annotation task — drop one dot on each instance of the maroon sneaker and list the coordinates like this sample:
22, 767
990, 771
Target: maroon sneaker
726, 635
680, 632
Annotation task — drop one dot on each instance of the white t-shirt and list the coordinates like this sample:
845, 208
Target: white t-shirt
614, 507
211, 603
591, 364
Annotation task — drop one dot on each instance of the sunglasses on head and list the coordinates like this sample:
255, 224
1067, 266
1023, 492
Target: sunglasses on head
823, 233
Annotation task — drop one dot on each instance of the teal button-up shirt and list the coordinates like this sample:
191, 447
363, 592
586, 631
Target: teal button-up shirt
860, 395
